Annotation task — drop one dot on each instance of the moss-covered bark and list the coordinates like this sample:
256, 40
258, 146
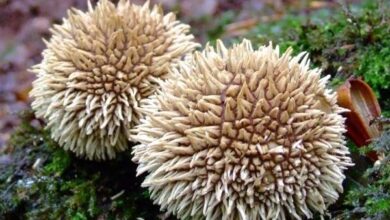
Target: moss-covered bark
42, 181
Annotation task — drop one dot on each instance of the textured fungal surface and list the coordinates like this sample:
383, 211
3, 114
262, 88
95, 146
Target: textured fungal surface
243, 134
97, 67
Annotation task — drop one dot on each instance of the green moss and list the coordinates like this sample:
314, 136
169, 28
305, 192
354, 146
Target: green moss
351, 42
60, 161
375, 66
65, 187
371, 200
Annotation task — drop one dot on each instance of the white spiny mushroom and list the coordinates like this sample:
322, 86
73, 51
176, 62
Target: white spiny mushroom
243, 134
97, 67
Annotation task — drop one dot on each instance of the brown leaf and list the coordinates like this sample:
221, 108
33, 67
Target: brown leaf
359, 98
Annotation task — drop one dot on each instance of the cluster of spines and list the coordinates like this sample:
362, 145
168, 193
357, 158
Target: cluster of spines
98, 66
251, 134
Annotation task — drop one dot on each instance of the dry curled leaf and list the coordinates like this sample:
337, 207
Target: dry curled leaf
358, 97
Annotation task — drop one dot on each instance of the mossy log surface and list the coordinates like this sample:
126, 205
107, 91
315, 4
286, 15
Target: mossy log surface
42, 181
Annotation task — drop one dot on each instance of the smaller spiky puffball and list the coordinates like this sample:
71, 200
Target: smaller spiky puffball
97, 67
243, 134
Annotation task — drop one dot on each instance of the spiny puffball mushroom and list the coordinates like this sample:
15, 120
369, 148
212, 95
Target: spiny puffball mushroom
97, 67
243, 134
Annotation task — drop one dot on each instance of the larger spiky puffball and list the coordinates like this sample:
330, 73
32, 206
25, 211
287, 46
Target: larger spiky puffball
243, 134
97, 67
